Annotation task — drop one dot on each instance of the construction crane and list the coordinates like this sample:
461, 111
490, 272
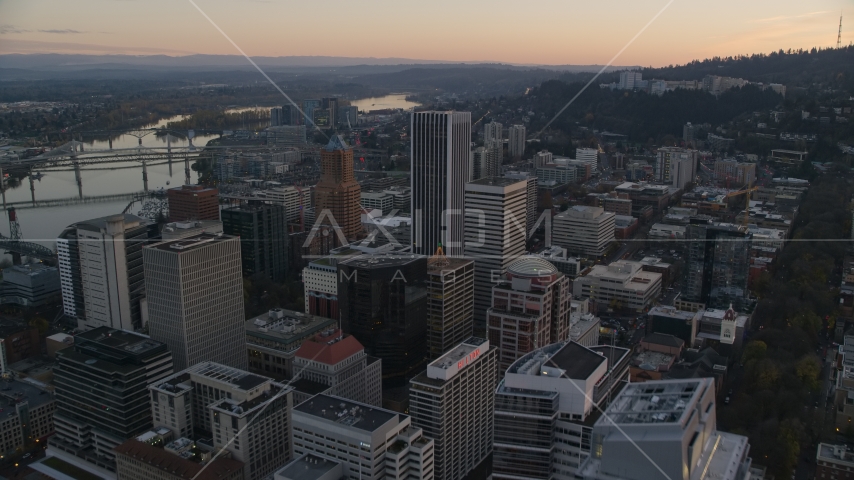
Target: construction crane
747, 191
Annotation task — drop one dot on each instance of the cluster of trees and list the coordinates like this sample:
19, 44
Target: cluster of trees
790, 67
121, 104
781, 370
220, 119
641, 116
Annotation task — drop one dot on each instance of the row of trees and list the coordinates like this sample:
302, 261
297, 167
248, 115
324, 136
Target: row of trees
781, 370
639, 115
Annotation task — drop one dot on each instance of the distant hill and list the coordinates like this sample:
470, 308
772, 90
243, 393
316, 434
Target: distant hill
56, 61
792, 68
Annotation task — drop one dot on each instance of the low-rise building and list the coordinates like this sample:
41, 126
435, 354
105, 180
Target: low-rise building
669, 320
557, 256
584, 230
654, 264
834, 462
224, 404
712, 322
30, 285
667, 231
665, 428
339, 361
368, 442
181, 459
655, 356
584, 328
621, 285
381, 201
273, 338
28, 415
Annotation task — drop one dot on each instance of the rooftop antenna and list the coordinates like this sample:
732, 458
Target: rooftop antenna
839, 35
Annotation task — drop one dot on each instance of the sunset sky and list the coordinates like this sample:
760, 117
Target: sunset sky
529, 32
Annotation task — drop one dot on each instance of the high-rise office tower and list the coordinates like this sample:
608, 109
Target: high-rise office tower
664, 428
308, 106
195, 299
450, 303
493, 133
320, 284
263, 236
383, 303
532, 196
688, 133
590, 156
337, 196
276, 117
340, 362
294, 199
496, 222
193, 202
485, 162
322, 118
331, 104
291, 115
675, 164
530, 308
717, 265
440, 156
224, 404
545, 404
516, 141
630, 80
354, 440
348, 116
453, 403
102, 395
70, 278
285, 135
101, 271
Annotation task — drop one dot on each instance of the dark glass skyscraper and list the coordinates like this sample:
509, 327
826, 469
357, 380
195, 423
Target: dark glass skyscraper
717, 265
383, 303
102, 392
440, 168
263, 238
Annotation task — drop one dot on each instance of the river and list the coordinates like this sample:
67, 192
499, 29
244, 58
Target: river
42, 225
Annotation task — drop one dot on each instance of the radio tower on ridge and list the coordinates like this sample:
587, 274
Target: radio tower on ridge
839, 35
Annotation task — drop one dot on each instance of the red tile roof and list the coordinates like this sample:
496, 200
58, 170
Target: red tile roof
317, 349
175, 465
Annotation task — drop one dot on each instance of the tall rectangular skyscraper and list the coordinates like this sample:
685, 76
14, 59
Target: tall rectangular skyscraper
440, 156
101, 271
493, 133
450, 297
263, 231
496, 222
516, 142
195, 299
337, 194
717, 265
453, 402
